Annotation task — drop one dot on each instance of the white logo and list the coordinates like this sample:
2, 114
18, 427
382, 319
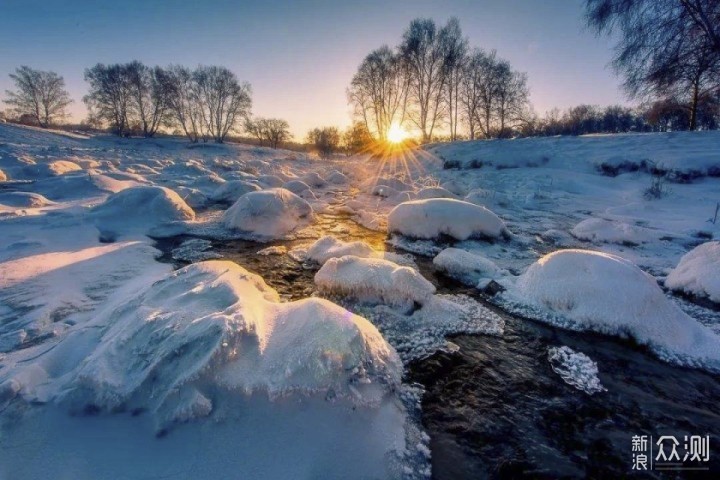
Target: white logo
669, 453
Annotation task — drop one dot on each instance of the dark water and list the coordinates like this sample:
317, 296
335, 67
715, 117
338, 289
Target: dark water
496, 409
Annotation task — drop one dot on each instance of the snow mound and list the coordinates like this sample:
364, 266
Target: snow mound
24, 200
51, 169
210, 331
576, 369
296, 186
466, 267
384, 191
272, 181
608, 231
374, 280
330, 247
432, 218
338, 178
230, 191
79, 185
141, 209
698, 272
585, 290
268, 213
314, 180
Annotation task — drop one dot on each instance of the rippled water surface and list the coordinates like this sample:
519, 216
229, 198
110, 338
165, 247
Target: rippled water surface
495, 407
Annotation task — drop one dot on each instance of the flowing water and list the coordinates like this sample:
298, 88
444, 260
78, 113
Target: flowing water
495, 408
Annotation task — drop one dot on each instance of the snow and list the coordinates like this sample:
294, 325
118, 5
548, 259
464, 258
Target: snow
268, 213
145, 209
434, 192
329, 247
467, 267
576, 369
230, 191
374, 280
601, 230
698, 272
601, 292
23, 199
208, 338
432, 218
296, 186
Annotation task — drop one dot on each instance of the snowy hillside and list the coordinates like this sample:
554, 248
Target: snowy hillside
208, 370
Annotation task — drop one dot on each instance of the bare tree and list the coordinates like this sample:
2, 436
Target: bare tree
422, 52
454, 48
223, 99
379, 90
665, 46
511, 98
183, 101
357, 138
274, 130
325, 140
110, 98
149, 90
39, 94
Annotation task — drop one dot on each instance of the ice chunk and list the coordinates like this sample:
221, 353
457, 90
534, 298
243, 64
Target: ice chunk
443, 216
576, 369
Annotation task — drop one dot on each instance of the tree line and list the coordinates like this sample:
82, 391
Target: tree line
432, 80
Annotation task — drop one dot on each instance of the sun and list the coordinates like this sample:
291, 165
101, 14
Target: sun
396, 134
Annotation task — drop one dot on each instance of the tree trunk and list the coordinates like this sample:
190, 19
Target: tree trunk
693, 107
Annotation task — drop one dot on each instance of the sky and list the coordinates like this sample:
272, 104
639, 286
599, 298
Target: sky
300, 56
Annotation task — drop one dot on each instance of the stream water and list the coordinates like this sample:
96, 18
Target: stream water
495, 407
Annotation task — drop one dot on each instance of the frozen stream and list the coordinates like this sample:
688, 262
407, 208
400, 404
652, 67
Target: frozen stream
494, 406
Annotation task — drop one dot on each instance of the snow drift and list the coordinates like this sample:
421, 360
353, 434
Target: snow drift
431, 218
585, 290
269, 213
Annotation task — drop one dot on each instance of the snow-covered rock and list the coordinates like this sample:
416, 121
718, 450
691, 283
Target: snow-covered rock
230, 191
268, 213
337, 178
609, 231
698, 272
467, 267
586, 290
209, 331
314, 180
329, 247
143, 209
432, 218
383, 191
272, 181
296, 186
374, 280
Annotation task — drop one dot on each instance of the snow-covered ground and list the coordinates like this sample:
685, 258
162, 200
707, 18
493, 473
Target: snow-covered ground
206, 371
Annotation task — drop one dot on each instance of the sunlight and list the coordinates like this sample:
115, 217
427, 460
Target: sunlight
396, 134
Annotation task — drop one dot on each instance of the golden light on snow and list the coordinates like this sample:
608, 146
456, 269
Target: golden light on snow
397, 134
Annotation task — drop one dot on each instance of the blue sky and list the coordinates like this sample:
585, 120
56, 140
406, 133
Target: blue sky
300, 55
